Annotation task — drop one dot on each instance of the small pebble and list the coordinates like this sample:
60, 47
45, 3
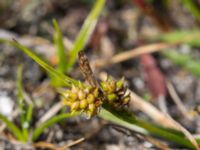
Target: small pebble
6, 104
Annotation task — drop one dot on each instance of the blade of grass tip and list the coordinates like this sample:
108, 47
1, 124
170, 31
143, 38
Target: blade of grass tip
13, 128
86, 31
51, 122
193, 8
65, 79
20, 94
136, 124
29, 114
58, 40
27, 122
186, 61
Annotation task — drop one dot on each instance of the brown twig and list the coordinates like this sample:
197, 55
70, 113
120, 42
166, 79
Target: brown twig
178, 101
51, 112
138, 103
55, 147
157, 143
133, 53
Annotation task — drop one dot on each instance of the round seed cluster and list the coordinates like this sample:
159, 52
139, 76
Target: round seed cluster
115, 92
83, 98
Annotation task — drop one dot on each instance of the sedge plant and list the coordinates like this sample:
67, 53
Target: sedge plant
105, 99
107, 111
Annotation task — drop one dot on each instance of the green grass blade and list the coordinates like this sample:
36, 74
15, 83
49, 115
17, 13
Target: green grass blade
191, 37
65, 79
28, 119
184, 60
29, 114
193, 8
107, 115
86, 31
27, 122
58, 40
13, 128
51, 122
20, 95
130, 121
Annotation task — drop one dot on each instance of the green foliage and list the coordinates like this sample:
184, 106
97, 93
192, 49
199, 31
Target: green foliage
58, 40
122, 118
23, 134
62, 54
193, 8
60, 76
85, 33
191, 37
184, 60
13, 128
25, 114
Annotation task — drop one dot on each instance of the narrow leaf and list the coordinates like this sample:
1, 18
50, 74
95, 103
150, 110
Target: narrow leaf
58, 40
86, 31
65, 79
193, 8
13, 128
29, 114
20, 94
21, 101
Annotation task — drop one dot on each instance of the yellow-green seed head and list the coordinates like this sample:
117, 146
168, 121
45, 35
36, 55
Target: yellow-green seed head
126, 100
120, 83
104, 86
109, 86
87, 89
73, 96
91, 108
112, 86
81, 94
96, 92
75, 106
74, 89
83, 104
66, 102
90, 98
112, 97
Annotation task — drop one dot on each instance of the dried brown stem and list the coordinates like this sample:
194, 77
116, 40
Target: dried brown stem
178, 102
133, 53
55, 147
159, 117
